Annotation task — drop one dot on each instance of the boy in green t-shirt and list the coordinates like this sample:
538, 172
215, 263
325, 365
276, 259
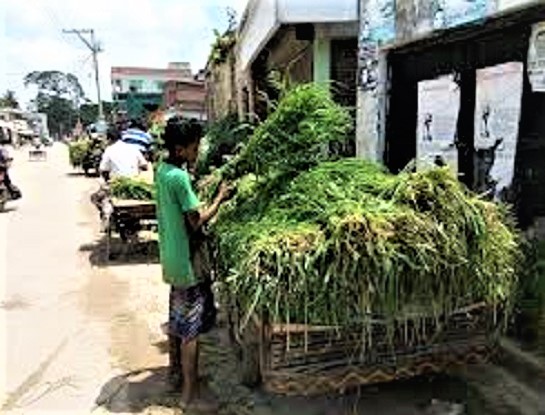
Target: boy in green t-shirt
179, 216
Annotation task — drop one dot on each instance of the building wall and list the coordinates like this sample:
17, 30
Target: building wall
220, 89
186, 98
388, 24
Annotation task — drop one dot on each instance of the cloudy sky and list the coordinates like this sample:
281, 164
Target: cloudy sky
132, 32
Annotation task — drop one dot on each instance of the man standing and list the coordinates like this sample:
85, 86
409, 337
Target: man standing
179, 215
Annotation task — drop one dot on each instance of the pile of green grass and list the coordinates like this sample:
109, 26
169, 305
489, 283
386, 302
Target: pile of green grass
132, 189
337, 242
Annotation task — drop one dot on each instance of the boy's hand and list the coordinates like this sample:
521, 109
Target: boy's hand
224, 191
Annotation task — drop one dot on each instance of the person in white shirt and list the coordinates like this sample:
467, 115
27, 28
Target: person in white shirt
122, 159
119, 159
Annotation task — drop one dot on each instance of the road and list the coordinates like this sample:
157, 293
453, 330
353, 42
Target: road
68, 327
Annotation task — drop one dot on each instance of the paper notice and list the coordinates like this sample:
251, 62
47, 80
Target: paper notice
497, 116
438, 108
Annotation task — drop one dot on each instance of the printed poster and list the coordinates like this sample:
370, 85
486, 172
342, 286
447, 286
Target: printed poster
438, 108
443, 14
378, 21
459, 12
536, 58
497, 116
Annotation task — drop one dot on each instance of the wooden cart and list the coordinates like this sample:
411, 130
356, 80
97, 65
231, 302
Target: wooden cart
310, 360
37, 154
128, 217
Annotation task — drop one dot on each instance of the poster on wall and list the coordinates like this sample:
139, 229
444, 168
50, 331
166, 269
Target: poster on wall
438, 108
377, 27
442, 14
497, 116
459, 12
378, 22
536, 58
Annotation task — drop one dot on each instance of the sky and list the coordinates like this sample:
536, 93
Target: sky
148, 33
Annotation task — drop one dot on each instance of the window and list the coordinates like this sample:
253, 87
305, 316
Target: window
159, 85
136, 84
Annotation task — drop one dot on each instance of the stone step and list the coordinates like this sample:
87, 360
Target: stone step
526, 367
500, 393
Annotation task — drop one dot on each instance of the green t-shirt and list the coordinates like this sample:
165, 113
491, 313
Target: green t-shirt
175, 197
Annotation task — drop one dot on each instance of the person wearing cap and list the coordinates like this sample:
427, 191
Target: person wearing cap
138, 136
120, 159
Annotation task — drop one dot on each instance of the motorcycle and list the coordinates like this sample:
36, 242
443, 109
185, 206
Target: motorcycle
8, 191
4, 193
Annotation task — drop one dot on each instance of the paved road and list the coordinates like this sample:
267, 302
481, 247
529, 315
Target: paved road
68, 328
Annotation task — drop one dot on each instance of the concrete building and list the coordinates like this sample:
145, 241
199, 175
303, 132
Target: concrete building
305, 41
461, 81
136, 89
185, 98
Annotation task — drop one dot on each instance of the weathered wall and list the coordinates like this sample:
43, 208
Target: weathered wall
288, 54
387, 23
221, 89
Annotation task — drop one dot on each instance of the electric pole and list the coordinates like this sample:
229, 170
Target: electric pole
95, 48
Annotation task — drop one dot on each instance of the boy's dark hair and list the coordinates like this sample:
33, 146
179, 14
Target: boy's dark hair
181, 132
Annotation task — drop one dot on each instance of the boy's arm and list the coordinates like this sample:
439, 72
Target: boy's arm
199, 218
105, 167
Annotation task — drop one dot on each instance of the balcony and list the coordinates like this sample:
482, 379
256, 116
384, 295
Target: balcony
263, 18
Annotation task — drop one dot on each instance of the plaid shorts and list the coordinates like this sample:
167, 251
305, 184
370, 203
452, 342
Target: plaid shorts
191, 312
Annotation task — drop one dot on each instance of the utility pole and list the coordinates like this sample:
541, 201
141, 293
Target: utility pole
95, 49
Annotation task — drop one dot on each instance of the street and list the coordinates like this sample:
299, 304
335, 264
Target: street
69, 327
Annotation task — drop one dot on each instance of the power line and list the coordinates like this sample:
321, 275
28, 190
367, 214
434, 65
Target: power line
95, 48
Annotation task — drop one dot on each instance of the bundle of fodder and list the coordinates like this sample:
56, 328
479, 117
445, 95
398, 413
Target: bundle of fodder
77, 151
335, 242
132, 189
294, 138
346, 241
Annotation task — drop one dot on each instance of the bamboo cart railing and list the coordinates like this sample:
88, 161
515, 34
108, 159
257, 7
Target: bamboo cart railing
309, 360
127, 217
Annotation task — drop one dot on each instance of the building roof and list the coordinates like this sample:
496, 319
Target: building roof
170, 74
262, 19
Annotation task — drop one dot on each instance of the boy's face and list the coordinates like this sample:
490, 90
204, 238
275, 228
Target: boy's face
190, 153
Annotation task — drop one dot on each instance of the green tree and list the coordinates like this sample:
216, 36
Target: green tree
61, 114
88, 112
9, 100
59, 95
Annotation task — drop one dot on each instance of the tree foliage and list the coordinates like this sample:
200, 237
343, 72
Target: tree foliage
58, 96
56, 83
9, 100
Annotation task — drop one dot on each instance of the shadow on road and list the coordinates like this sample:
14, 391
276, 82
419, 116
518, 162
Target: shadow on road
121, 253
75, 174
136, 391
8, 209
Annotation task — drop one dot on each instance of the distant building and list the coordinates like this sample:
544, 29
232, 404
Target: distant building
18, 125
186, 98
137, 90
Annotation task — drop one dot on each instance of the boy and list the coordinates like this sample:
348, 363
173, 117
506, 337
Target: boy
179, 216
